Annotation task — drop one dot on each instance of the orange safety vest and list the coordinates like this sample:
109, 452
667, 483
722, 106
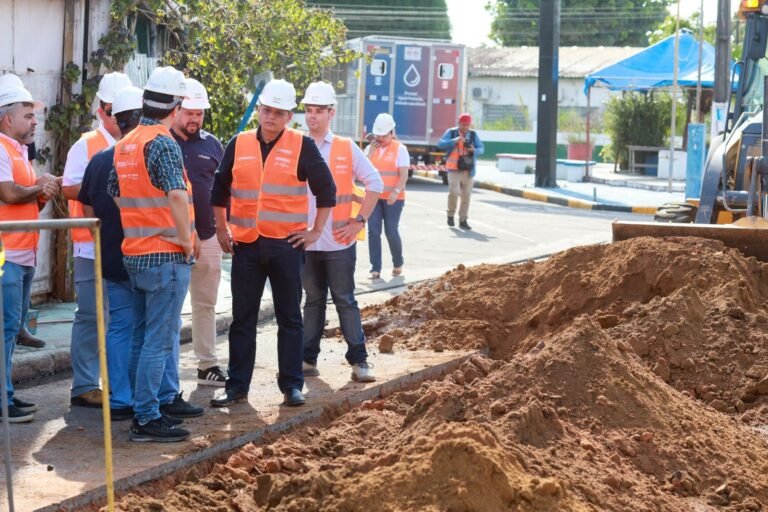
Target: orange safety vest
452, 162
144, 209
95, 142
386, 163
349, 197
267, 198
24, 175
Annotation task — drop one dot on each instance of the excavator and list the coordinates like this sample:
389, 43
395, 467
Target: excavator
733, 204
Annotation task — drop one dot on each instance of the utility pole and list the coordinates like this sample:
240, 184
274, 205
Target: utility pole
722, 66
546, 129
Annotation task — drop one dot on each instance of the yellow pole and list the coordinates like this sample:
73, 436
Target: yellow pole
101, 335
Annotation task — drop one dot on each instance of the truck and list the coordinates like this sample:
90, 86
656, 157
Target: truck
733, 204
420, 82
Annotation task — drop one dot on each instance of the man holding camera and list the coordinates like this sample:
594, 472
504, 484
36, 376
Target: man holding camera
463, 146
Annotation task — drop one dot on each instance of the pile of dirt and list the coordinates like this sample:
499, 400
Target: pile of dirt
615, 380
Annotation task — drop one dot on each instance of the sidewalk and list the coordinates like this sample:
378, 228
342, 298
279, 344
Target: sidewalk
605, 189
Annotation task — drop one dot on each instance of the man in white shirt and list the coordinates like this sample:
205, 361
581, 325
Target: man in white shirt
84, 347
331, 259
22, 194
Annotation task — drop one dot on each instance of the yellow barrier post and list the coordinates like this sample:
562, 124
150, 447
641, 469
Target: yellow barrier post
94, 226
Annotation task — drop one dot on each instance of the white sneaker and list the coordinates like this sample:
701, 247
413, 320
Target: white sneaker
310, 370
363, 372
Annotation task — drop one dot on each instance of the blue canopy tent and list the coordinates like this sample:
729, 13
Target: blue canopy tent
653, 68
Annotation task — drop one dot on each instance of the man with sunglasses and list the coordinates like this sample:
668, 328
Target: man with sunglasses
84, 347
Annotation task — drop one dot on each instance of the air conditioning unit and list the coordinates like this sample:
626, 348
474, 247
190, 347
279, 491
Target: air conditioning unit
481, 93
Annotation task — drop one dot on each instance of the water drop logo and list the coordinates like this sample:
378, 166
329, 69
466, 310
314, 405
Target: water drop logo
412, 78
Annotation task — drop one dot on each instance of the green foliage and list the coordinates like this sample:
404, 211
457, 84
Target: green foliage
227, 42
582, 22
667, 28
507, 123
402, 18
641, 119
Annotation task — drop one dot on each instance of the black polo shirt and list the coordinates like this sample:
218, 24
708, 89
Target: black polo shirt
202, 155
312, 169
93, 192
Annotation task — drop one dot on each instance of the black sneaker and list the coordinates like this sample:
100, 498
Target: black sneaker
173, 421
158, 431
213, 376
451, 222
180, 408
121, 413
16, 415
228, 397
463, 225
23, 406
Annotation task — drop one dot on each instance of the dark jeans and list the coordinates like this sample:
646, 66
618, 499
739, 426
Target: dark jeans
334, 270
389, 214
252, 264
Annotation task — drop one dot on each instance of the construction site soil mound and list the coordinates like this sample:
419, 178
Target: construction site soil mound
629, 376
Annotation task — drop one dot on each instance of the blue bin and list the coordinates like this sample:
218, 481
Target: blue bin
651, 171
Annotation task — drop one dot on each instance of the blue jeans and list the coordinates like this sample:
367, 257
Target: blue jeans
158, 295
119, 342
84, 348
17, 285
334, 270
252, 264
390, 215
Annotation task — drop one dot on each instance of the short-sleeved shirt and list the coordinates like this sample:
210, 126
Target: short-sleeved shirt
202, 155
364, 172
93, 192
165, 166
26, 257
74, 169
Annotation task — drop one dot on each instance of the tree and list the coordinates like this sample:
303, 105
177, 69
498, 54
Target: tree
582, 22
224, 43
667, 28
403, 18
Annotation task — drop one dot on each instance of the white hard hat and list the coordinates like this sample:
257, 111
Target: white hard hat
13, 94
110, 84
319, 93
383, 124
167, 80
10, 80
196, 96
128, 98
278, 94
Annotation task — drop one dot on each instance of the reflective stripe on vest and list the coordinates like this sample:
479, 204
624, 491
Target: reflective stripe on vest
267, 198
452, 162
386, 163
23, 175
95, 141
349, 196
144, 209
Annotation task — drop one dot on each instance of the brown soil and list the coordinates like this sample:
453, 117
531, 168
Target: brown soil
623, 377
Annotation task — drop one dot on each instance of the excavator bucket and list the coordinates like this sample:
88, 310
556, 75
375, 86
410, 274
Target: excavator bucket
749, 235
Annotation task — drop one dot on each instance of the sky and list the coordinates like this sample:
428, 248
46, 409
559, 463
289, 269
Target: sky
471, 14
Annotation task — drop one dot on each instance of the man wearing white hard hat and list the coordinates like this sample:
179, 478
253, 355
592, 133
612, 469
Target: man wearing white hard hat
202, 155
22, 194
84, 348
331, 260
391, 159
263, 179
155, 201
25, 338
126, 108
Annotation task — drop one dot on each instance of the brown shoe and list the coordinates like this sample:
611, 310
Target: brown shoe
26, 339
90, 398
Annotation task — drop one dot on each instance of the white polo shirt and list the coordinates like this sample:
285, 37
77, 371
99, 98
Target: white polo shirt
365, 173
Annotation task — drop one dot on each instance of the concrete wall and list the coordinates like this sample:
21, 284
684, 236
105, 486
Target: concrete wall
32, 34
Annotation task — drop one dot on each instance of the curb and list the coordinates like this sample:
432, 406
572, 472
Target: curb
551, 199
52, 362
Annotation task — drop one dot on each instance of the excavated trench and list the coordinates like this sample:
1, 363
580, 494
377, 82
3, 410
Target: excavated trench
630, 376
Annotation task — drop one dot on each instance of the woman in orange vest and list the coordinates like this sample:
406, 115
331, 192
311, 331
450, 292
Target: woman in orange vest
391, 159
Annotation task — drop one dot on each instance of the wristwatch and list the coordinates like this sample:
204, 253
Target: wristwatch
360, 219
